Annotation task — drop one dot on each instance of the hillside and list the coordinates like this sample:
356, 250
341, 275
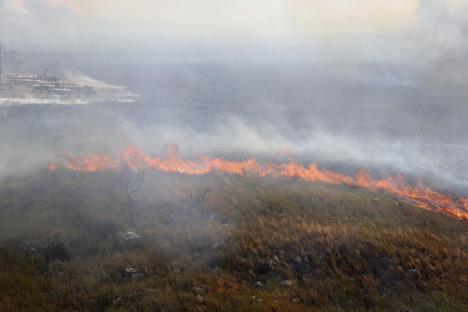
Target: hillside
148, 241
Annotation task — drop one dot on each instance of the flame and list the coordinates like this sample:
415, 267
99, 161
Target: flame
136, 160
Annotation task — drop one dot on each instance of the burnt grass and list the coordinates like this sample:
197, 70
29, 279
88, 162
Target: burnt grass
158, 242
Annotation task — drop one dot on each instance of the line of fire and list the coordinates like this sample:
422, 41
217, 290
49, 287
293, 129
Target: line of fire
136, 160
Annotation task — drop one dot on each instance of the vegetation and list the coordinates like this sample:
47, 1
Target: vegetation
95, 242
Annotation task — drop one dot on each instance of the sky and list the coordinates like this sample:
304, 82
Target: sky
241, 18
366, 28
215, 20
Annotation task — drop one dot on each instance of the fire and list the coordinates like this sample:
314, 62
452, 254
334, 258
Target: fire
136, 160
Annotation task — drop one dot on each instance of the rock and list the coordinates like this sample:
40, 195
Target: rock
129, 239
134, 273
129, 236
27, 248
254, 298
117, 301
259, 284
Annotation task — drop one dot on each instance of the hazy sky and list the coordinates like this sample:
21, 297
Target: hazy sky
236, 19
76, 24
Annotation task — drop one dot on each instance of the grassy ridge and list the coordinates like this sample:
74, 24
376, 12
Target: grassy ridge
221, 243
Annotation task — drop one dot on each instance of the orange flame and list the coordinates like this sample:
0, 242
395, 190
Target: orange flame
136, 160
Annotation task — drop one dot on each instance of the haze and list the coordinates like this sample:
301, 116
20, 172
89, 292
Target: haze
367, 83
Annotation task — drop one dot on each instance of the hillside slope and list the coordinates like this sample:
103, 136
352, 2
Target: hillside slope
167, 242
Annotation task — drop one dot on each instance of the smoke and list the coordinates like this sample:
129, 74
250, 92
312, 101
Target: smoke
441, 162
365, 84
388, 96
102, 129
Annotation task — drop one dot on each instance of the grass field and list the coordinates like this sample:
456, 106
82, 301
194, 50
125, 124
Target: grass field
160, 242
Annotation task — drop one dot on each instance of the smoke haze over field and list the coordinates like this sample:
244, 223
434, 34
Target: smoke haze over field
374, 84
233, 155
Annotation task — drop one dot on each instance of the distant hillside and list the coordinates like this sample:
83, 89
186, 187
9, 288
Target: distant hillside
156, 242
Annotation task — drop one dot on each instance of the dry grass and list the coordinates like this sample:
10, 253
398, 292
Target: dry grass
222, 243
